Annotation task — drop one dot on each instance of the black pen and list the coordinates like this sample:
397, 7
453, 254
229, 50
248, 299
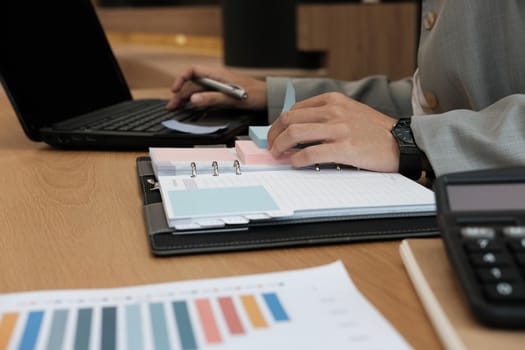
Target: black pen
229, 89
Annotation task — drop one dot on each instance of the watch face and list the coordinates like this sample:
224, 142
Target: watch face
403, 133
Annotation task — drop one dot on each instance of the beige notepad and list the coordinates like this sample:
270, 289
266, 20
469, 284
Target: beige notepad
433, 278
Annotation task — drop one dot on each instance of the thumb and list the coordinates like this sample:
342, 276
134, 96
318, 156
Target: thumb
205, 99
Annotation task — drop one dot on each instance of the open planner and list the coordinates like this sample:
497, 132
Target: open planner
213, 199
226, 187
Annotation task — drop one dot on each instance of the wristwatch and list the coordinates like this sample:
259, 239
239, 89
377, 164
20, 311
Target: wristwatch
410, 156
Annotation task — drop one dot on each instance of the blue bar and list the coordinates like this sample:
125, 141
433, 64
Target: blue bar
34, 320
182, 317
83, 331
58, 327
109, 328
158, 326
134, 328
275, 307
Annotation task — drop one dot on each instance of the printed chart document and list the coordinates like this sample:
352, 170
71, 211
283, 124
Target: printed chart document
315, 308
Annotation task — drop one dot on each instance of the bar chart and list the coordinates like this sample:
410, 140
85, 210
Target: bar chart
256, 311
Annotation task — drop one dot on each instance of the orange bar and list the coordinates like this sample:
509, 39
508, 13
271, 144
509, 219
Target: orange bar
253, 311
6, 328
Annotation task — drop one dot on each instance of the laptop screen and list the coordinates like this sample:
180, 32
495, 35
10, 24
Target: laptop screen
57, 63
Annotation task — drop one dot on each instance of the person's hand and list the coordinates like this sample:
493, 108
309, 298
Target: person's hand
185, 90
343, 131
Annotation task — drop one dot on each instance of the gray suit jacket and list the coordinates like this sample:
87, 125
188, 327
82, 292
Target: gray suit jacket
472, 61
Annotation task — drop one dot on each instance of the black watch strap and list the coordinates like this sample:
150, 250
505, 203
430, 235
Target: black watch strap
410, 156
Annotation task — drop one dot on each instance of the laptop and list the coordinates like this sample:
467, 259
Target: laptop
68, 90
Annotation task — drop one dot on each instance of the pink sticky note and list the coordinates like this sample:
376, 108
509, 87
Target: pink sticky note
250, 154
191, 154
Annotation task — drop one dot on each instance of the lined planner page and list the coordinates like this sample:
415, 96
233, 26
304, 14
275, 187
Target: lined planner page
301, 190
301, 193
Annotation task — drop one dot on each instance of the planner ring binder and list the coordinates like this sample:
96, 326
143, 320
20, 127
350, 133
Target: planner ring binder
165, 240
215, 168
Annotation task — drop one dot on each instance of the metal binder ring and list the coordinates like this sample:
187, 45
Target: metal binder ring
215, 167
193, 169
237, 167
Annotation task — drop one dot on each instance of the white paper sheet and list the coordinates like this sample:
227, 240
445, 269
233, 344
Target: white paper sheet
315, 308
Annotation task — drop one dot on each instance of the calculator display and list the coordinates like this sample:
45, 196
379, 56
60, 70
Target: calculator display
486, 197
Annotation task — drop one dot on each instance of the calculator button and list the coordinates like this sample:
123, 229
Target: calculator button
481, 244
496, 274
514, 231
505, 291
489, 259
478, 232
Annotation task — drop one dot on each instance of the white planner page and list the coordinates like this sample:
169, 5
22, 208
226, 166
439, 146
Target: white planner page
297, 193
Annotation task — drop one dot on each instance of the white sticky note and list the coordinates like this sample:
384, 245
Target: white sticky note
192, 128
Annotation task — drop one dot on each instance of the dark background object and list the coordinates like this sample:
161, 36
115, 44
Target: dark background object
262, 33
150, 3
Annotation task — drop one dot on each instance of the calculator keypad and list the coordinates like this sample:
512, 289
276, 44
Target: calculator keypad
497, 256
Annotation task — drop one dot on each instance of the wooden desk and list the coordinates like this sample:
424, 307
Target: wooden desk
73, 219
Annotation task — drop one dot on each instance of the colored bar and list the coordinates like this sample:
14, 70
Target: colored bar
182, 317
232, 319
83, 329
158, 326
134, 328
30, 335
58, 326
211, 331
275, 306
109, 328
7, 324
254, 313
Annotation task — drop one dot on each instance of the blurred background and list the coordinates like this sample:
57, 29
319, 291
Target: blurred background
155, 39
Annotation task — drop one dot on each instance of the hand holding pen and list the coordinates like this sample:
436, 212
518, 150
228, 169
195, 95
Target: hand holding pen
206, 86
232, 90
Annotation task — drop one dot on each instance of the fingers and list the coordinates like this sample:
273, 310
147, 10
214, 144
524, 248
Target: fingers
186, 92
315, 101
303, 134
212, 98
181, 79
317, 154
184, 89
308, 115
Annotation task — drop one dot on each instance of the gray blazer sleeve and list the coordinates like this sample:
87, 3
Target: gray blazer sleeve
389, 97
473, 62
461, 140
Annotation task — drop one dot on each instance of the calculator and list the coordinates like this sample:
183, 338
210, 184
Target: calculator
481, 215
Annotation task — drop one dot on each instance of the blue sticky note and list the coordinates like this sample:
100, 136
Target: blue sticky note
227, 201
259, 135
289, 97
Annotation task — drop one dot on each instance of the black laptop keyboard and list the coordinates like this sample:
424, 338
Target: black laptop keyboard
137, 116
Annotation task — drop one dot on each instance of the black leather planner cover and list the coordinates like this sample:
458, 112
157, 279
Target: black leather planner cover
165, 241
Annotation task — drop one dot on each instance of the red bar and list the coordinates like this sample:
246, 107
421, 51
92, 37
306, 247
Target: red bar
232, 319
211, 331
